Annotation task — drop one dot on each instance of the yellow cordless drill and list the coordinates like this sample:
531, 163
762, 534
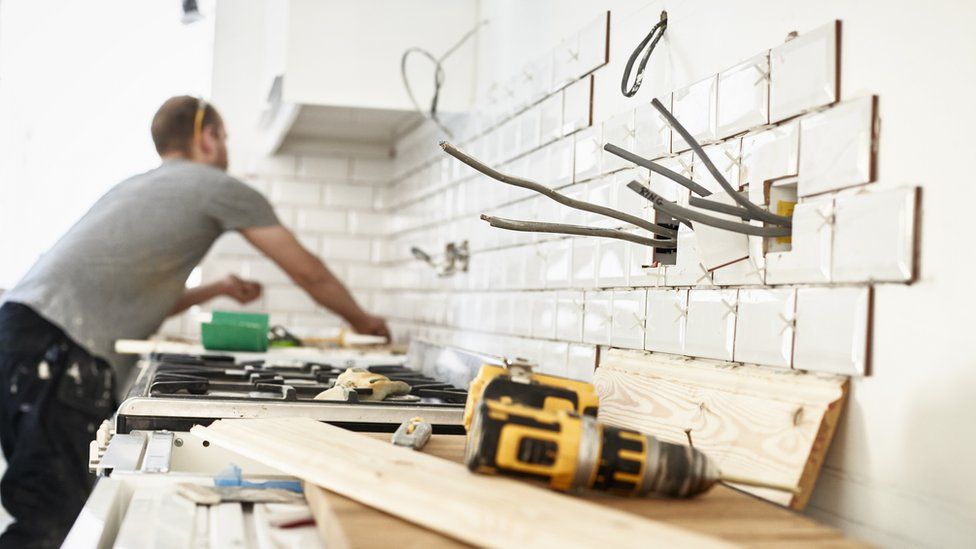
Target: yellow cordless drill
517, 383
572, 451
543, 426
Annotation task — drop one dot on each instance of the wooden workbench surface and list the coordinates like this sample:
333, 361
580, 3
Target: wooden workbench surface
722, 512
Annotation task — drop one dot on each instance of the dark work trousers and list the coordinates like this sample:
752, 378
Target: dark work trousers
53, 397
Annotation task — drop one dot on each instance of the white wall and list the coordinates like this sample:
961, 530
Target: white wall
898, 472
79, 83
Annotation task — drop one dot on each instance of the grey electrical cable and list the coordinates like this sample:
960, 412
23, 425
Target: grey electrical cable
655, 167
758, 212
675, 210
719, 207
652, 38
580, 230
561, 198
438, 76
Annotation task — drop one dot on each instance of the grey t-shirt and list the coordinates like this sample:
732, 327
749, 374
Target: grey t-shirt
120, 269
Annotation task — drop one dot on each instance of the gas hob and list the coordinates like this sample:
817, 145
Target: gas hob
174, 391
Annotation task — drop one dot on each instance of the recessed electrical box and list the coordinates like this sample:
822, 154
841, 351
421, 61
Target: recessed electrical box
782, 200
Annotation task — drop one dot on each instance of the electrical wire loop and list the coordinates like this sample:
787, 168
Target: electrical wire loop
652, 37
439, 76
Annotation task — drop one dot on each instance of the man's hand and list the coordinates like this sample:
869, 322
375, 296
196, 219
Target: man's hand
240, 290
371, 325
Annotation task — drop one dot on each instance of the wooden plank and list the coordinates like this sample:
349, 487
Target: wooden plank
435, 493
330, 527
723, 512
364, 527
765, 423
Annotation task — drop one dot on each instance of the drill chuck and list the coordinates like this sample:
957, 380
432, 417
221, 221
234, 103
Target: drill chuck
570, 451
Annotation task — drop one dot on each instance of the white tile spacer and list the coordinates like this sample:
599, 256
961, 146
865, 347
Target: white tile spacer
763, 75
828, 219
638, 320
790, 323
736, 159
706, 276
731, 308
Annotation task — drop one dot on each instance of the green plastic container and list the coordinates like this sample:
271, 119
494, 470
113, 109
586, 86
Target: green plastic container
230, 331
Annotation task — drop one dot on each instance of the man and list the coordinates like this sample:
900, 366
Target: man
117, 273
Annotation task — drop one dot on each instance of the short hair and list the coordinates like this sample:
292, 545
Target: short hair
172, 125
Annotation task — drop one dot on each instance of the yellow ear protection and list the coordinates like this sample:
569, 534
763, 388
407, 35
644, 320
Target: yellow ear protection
198, 120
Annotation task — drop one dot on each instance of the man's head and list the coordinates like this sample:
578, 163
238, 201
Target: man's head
190, 128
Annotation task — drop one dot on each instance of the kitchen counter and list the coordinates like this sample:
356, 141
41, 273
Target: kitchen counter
722, 512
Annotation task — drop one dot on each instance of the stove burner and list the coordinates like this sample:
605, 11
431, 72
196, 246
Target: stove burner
217, 376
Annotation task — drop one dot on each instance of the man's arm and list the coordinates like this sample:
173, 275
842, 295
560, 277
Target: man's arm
231, 286
279, 244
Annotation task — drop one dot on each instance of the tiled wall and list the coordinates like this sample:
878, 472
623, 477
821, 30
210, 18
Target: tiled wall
772, 124
329, 201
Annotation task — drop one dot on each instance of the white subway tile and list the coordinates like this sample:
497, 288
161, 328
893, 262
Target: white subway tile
804, 72
544, 315
652, 132
325, 167
584, 262
559, 263
622, 132
289, 298
375, 170
279, 165
581, 362
767, 156
809, 259
367, 223
319, 220
530, 124
764, 328
522, 313
295, 192
345, 248
587, 153
569, 315
551, 118
727, 157
561, 158
577, 105
711, 323
600, 192
627, 323
874, 236
597, 314
832, 330
837, 147
743, 96
613, 265
665, 320
593, 45
694, 107
355, 196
